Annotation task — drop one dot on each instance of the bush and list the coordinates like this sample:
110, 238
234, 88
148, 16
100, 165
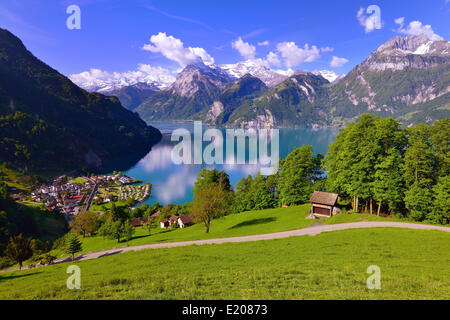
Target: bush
5, 263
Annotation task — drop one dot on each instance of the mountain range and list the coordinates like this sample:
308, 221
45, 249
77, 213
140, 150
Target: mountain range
407, 78
49, 123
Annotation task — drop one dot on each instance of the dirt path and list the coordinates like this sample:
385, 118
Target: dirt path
310, 231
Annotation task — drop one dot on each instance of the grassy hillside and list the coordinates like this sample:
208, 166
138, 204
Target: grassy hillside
414, 265
48, 123
243, 224
235, 225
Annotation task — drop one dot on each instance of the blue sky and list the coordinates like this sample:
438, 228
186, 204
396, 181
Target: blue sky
113, 33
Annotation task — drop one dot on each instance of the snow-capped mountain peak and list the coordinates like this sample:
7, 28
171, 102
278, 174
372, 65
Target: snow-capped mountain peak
106, 82
257, 68
331, 76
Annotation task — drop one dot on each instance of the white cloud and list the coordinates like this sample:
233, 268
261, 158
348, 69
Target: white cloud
337, 62
293, 55
370, 23
327, 49
273, 59
400, 21
287, 73
246, 50
264, 43
416, 28
173, 49
95, 79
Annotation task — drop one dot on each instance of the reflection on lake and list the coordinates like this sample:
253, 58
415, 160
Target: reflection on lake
174, 183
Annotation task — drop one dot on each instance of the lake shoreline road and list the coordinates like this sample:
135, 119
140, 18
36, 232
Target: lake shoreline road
314, 230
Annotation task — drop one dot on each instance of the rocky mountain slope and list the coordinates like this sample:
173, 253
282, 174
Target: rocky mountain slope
195, 88
242, 92
47, 122
403, 72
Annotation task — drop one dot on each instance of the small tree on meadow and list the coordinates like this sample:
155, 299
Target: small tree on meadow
210, 203
73, 245
84, 223
19, 249
128, 231
149, 225
112, 230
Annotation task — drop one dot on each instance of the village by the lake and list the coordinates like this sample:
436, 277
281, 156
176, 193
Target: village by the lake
71, 195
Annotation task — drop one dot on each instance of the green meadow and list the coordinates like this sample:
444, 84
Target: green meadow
234, 225
414, 264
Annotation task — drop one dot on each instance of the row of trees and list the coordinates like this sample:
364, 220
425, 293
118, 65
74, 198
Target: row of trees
20, 249
299, 174
374, 162
375, 165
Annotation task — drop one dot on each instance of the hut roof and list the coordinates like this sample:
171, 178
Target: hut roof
186, 219
326, 198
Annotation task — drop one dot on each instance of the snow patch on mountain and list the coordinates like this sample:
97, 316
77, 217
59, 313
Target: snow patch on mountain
331, 76
96, 80
424, 48
257, 68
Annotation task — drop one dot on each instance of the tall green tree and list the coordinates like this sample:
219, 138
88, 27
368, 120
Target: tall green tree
243, 201
73, 245
359, 151
262, 193
440, 140
418, 201
207, 178
112, 229
118, 213
421, 161
420, 171
388, 181
19, 249
440, 212
297, 176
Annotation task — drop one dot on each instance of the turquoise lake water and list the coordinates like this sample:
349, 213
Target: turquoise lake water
172, 183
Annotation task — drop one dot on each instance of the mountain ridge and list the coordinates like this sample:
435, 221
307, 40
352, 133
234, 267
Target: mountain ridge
400, 75
47, 121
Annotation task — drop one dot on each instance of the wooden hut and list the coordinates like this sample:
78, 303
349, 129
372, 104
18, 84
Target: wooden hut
324, 204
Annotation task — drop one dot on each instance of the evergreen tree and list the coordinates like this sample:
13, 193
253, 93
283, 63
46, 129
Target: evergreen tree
73, 245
